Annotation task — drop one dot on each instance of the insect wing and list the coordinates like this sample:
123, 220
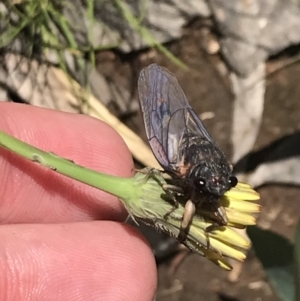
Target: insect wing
167, 114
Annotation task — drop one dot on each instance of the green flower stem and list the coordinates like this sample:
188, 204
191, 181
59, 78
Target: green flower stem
120, 187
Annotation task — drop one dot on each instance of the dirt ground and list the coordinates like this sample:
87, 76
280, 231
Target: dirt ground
208, 91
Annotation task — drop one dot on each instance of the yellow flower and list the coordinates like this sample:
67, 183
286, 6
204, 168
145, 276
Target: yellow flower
151, 205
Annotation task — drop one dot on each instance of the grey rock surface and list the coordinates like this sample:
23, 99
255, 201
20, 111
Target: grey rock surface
253, 30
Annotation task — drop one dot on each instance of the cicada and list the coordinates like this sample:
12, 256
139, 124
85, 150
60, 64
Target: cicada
182, 145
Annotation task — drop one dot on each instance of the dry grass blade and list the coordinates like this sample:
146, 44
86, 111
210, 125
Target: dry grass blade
94, 108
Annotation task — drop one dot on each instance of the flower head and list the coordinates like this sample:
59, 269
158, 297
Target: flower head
152, 206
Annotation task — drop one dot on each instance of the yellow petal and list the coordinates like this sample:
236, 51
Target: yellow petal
229, 236
240, 218
242, 194
243, 206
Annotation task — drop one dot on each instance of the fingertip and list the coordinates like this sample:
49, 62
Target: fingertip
35, 194
86, 261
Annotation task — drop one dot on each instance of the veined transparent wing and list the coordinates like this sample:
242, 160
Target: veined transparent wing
168, 117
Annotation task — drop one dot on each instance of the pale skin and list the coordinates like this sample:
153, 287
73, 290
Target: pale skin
60, 239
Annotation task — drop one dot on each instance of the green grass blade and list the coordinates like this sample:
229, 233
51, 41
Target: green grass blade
144, 32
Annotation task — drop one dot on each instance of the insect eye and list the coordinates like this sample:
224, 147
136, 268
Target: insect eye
200, 183
233, 181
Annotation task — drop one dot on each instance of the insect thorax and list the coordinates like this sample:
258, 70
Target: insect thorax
205, 167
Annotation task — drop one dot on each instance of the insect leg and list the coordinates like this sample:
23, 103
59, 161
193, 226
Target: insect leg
189, 212
222, 221
149, 171
172, 191
209, 229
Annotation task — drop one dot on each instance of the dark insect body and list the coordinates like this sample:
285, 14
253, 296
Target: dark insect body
182, 145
